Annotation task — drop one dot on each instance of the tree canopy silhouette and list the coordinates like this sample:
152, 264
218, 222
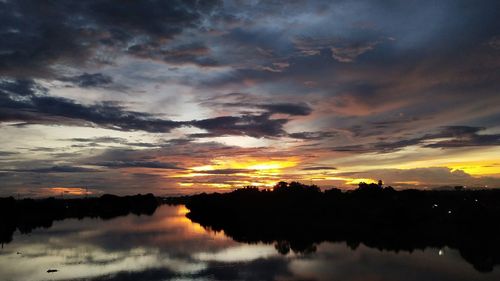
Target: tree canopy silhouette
295, 217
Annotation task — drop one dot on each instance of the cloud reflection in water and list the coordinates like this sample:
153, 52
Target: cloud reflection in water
168, 246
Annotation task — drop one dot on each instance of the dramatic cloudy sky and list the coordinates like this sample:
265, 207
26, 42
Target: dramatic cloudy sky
176, 97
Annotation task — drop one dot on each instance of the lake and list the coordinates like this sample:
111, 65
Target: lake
168, 246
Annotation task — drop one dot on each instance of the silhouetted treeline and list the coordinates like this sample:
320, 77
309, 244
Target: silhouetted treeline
296, 217
27, 214
177, 200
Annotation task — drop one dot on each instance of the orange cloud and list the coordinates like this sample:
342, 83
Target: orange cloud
239, 171
68, 190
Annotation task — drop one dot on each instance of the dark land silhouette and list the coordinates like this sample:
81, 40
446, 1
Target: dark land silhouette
27, 214
296, 217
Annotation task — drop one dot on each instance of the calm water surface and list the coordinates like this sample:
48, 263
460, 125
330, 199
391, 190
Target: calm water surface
168, 246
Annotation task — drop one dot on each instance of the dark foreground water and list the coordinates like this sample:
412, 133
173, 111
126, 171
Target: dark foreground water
168, 246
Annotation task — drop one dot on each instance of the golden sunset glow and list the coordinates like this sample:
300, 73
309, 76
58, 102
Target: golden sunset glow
355, 181
68, 190
246, 171
478, 168
249, 164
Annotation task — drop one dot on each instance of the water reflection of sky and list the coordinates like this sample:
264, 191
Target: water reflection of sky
167, 246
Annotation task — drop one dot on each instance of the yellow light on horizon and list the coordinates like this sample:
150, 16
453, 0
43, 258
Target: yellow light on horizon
268, 166
245, 171
69, 190
408, 182
477, 168
357, 181
203, 168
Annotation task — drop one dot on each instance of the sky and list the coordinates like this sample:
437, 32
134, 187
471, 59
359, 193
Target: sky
181, 97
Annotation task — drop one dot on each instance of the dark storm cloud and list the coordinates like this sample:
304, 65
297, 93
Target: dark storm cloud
192, 53
99, 139
162, 19
88, 80
20, 87
38, 34
225, 171
43, 149
246, 102
464, 136
287, 108
137, 164
343, 52
390, 43
35, 107
354, 148
7, 153
315, 168
248, 125
312, 135
54, 110
143, 144
388, 123
292, 109
341, 49
202, 135
55, 169
457, 136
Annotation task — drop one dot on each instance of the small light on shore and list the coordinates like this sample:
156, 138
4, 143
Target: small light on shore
441, 252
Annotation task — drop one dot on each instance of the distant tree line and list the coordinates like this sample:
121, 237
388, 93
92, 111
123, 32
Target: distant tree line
297, 216
28, 214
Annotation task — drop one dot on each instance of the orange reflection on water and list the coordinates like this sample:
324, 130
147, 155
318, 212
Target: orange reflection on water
186, 227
